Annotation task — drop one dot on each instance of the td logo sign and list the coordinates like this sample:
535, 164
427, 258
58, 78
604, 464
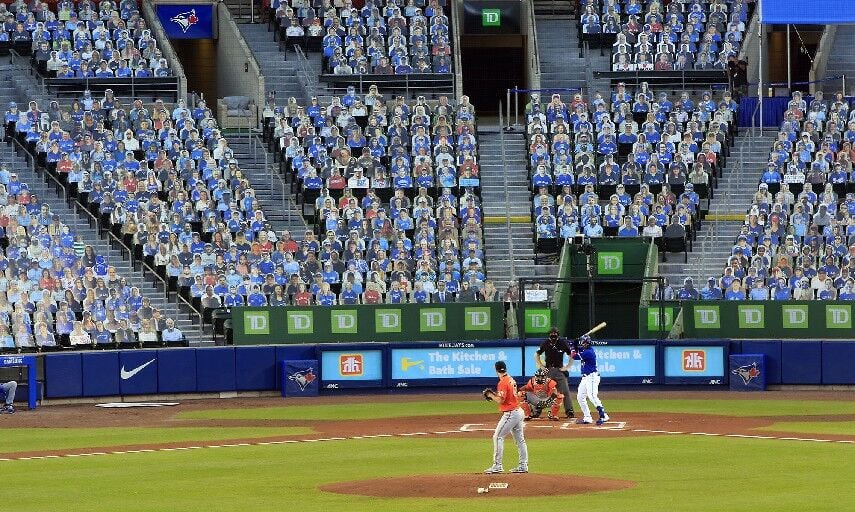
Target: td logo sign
838, 317
491, 17
432, 320
752, 317
610, 263
300, 322
256, 322
538, 320
476, 319
707, 317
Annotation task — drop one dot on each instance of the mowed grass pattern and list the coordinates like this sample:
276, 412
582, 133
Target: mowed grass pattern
42, 439
672, 473
357, 409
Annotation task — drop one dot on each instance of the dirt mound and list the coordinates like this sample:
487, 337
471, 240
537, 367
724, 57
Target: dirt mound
466, 486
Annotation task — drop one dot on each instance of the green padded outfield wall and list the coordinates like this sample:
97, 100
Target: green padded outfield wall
768, 319
382, 322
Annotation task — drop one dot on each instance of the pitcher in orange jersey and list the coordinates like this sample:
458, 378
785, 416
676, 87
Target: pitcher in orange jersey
511, 422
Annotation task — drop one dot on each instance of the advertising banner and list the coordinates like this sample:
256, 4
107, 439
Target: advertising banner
748, 372
653, 320
618, 362
768, 319
354, 324
300, 378
696, 364
187, 21
354, 367
449, 363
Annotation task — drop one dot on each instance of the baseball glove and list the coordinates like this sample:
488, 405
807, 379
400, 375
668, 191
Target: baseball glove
488, 394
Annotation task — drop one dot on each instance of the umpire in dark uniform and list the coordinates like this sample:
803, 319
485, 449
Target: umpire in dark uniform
554, 346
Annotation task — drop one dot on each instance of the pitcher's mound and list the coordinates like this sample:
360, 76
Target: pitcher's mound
466, 486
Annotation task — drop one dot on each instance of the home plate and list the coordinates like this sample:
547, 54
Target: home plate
128, 405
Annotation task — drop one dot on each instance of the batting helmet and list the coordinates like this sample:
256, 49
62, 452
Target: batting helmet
585, 341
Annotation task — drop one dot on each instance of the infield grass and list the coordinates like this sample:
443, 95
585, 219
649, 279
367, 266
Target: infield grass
844, 428
358, 411
671, 472
43, 439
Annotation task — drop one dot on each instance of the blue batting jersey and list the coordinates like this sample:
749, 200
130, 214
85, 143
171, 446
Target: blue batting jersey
589, 360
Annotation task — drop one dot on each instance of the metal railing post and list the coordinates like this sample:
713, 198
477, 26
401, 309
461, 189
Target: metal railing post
507, 198
508, 106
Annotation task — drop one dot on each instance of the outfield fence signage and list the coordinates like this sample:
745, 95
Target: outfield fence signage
764, 319
353, 324
618, 361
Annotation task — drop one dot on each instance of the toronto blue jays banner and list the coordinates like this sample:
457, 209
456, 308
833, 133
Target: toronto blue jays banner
187, 21
748, 372
300, 378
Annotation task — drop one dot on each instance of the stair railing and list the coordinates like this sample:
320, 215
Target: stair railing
507, 197
271, 172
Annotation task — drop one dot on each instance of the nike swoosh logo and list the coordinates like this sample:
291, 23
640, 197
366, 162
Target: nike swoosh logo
125, 375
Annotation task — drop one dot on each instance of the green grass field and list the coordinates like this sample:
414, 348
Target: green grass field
680, 473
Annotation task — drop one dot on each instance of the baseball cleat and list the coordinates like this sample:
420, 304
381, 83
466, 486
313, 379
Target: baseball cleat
603, 419
7, 409
494, 469
570, 415
520, 469
552, 418
584, 421
527, 418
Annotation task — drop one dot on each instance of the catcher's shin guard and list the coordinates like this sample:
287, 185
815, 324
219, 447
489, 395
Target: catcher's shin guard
526, 408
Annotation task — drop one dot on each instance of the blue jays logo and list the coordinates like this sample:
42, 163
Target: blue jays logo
747, 372
185, 20
303, 378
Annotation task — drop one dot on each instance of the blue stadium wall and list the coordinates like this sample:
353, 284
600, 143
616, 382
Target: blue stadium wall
441, 364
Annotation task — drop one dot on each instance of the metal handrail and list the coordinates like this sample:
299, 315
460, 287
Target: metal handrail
507, 196
255, 142
111, 236
303, 75
40, 82
456, 31
534, 80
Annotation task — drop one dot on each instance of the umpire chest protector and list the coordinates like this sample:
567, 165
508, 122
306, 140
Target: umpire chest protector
554, 351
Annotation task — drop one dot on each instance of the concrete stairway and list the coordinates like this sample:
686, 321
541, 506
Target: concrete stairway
563, 63
15, 86
841, 59
280, 68
509, 250
554, 7
276, 202
90, 236
731, 201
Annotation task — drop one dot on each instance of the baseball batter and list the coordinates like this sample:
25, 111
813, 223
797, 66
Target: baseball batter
539, 393
511, 421
589, 386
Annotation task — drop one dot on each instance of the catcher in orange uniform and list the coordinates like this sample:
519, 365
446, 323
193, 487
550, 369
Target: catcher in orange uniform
540, 393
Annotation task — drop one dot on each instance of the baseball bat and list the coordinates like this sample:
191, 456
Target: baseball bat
596, 328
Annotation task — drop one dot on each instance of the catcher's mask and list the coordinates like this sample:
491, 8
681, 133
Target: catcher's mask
540, 375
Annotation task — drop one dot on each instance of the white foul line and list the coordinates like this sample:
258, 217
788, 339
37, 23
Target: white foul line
466, 427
